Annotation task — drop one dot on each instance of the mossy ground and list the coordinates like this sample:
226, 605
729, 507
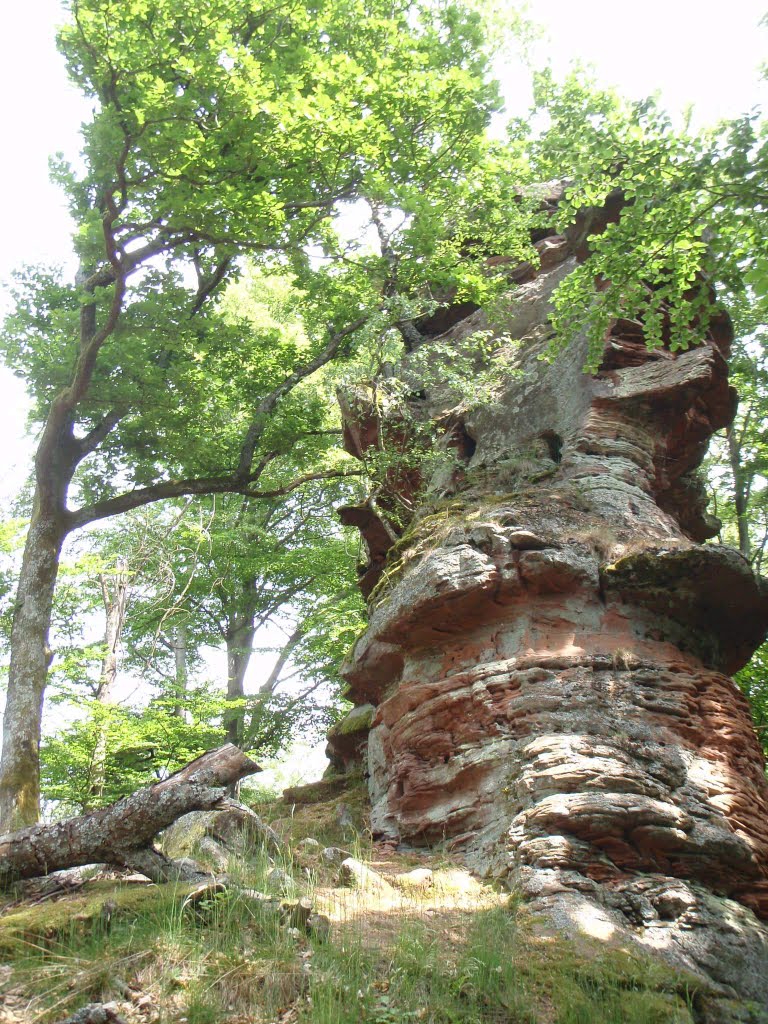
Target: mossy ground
457, 951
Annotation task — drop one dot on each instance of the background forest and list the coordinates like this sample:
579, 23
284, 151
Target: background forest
257, 227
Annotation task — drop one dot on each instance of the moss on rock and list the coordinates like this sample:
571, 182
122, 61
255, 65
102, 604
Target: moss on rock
88, 910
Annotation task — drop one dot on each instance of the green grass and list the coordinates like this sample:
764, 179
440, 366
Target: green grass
201, 963
493, 976
402, 965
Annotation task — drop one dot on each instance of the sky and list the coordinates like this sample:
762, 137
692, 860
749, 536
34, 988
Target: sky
688, 51
691, 56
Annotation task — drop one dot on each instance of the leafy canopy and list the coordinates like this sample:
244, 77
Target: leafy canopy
223, 131
693, 215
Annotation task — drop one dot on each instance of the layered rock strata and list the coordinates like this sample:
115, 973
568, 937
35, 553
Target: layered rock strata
549, 646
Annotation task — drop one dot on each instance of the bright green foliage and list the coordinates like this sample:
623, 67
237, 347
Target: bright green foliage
219, 132
738, 461
737, 468
245, 113
224, 570
330, 628
143, 744
694, 211
77, 612
240, 566
222, 131
11, 538
217, 573
753, 681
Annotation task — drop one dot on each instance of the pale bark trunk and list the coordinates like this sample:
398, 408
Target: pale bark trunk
239, 650
115, 603
181, 673
740, 498
267, 688
30, 658
56, 460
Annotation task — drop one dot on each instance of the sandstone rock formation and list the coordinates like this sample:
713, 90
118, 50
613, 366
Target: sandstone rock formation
550, 640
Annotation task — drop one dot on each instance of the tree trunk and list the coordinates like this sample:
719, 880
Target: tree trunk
267, 688
30, 658
740, 499
181, 675
56, 459
115, 602
548, 647
122, 833
240, 636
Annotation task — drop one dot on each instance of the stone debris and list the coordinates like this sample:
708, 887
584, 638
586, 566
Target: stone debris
419, 878
357, 875
280, 880
344, 817
219, 833
319, 926
334, 855
308, 844
95, 1013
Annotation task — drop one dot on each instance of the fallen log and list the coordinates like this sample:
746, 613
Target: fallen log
122, 833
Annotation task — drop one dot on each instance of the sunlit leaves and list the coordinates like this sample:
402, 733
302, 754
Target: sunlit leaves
221, 132
694, 212
230, 119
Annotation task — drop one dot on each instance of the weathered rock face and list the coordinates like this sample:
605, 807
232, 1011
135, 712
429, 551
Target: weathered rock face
348, 740
549, 641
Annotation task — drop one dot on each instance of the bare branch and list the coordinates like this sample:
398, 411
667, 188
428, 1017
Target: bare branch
286, 651
178, 488
91, 441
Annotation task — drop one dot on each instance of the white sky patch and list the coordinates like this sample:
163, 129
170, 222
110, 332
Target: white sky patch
689, 51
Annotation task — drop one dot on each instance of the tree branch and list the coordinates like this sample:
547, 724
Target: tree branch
178, 488
85, 445
123, 832
269, 402
286, 651
208, 285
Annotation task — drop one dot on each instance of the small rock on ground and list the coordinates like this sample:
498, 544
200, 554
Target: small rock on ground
357, 875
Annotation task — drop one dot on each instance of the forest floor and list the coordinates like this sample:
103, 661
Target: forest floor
418, 939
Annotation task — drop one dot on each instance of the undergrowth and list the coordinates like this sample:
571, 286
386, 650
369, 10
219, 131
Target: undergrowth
220, 957
461, 959
490, 975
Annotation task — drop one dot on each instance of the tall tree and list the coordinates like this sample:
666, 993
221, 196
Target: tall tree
217, 131
737, 471
241, 572
738, 461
